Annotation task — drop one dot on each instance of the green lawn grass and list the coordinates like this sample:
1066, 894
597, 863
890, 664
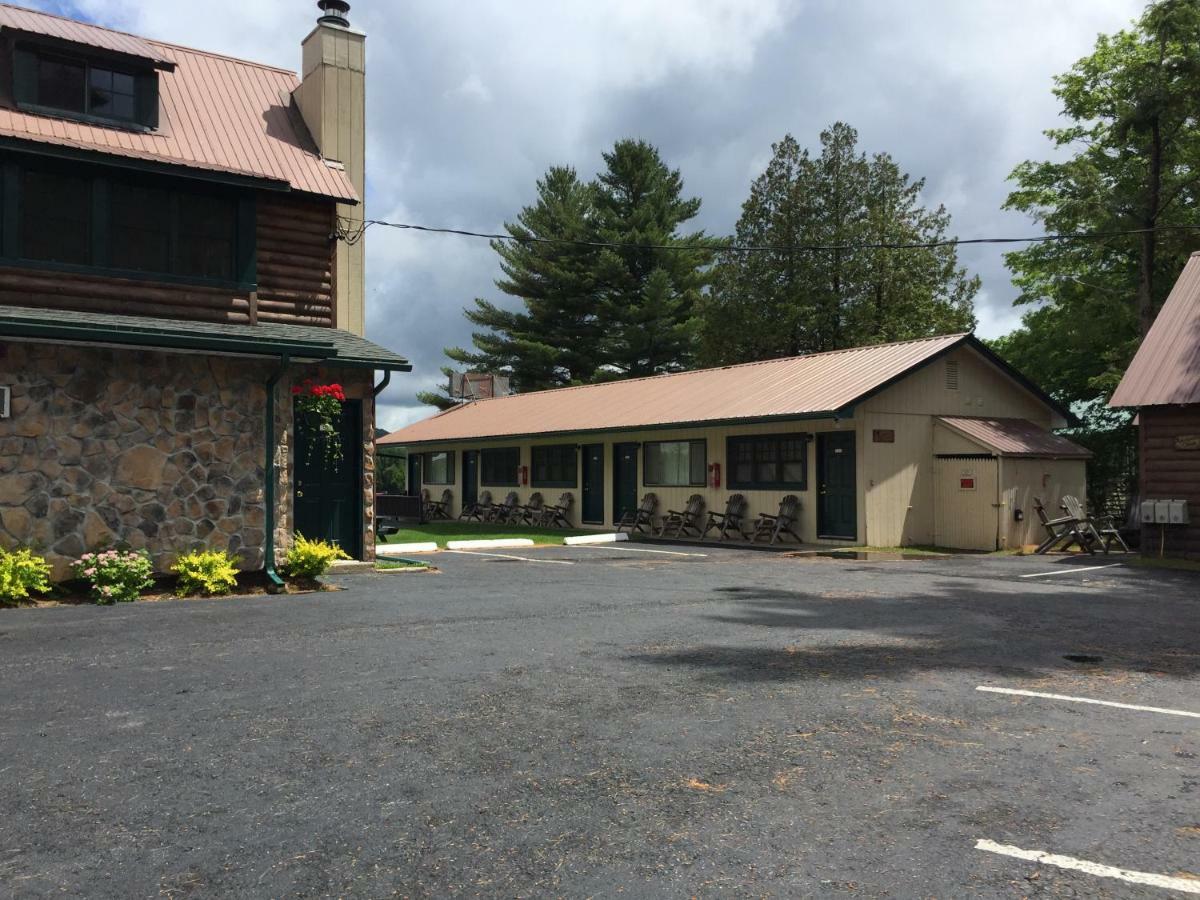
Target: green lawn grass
386, 564
440, 532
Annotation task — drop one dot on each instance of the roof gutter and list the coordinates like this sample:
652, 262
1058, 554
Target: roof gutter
276, 583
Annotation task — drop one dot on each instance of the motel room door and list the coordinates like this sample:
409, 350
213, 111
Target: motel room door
470, 478
837, 501
328, 496
625, 479
592, 512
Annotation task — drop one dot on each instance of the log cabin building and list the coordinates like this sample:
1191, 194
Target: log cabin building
1163, 385
173, 260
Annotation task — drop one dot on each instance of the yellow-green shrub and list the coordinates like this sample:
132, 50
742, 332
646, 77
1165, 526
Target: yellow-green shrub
22, 572
310, 559
205, 572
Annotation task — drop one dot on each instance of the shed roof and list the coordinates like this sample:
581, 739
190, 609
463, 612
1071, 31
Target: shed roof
819, 385
1015, 437
1166, 368
217, 114
329, 345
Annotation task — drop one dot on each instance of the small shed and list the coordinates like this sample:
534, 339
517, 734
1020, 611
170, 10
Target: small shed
987, 472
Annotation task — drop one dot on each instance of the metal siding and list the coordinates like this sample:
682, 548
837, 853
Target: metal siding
898, 485
216, 114
1166, 368
1013, 437
1048, 479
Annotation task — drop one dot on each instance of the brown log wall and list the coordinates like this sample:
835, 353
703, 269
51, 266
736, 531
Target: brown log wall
295, 277
1169, 473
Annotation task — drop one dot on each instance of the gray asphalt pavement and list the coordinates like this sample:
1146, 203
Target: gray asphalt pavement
601, 722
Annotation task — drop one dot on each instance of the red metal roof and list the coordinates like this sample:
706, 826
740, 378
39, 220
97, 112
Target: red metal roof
1016, 437
822, 383
1166, 368
216, 113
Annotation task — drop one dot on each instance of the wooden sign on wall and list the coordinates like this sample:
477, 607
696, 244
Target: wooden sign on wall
1187, 442
884, 436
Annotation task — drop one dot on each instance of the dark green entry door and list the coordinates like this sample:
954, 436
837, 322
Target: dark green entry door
625, 479
593, 484
413, 487
328, 496
837, 506
470, 478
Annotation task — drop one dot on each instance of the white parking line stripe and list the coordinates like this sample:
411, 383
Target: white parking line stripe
1168, 882
544, 562
1154, 709
624, 549
1068, 571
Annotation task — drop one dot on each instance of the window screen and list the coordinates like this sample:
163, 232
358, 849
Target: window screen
439, 467
207, 236
60, 84
141, 228
769, 461
675, 463
555, 466
56, 216
498, 467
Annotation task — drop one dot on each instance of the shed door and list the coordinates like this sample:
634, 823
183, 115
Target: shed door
966, 490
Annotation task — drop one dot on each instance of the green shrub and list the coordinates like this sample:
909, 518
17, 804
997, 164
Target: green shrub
115, 576
22, 573
205, 572
310, 559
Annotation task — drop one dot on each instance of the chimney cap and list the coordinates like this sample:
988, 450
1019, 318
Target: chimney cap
334, 12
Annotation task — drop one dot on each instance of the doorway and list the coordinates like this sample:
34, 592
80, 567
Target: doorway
470, 495
837, 502
592, 511
625, 479
328, 496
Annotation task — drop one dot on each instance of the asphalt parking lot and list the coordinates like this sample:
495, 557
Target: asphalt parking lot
594, 722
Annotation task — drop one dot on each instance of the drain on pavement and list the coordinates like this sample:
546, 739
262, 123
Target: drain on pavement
1083, 658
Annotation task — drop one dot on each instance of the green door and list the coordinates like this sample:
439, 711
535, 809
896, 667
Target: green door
593, 484
470, 478
328, 496
837, 501
625, 479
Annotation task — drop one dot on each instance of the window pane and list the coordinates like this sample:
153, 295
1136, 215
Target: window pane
498, 467
141, 228
699, 462
439, 467
554, 466
207, 236
56, 212
766, 459
61, 84
122, 83
675, 463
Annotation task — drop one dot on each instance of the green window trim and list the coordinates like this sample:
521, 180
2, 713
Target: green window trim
438, 471
498, 467
102, 183
550, 464
760, 452
103, 80
697, 464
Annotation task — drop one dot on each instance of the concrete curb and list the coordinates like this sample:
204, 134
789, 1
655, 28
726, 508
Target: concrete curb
395, 549
595, 539
489, 545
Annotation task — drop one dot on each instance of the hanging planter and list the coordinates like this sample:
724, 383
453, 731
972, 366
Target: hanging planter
319, 406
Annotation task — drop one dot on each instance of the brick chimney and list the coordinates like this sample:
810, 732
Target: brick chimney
332, 99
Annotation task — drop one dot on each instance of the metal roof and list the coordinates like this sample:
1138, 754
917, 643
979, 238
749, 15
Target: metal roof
1015, 437
217, 114
330, 345
821, 384
1166, 368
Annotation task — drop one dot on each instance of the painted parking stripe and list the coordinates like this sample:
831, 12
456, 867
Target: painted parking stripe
544, 562
1150, 879
635, 550
1154, 709
1070, 571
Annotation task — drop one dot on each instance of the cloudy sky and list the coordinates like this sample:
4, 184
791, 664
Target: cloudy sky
470, 101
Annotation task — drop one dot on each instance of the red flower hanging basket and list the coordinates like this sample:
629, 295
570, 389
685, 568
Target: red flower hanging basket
321, 406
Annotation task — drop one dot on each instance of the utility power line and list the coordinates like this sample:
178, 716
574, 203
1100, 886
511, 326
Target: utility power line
353, 236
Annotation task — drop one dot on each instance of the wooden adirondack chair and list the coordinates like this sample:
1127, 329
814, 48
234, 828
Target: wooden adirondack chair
529, 513
1063, 531
731, 520
559, 515
678, 522
477, 510
783, 523
642, 518
438, 509
504, 512
1102, 529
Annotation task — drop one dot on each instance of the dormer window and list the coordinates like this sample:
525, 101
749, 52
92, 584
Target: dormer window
48, 81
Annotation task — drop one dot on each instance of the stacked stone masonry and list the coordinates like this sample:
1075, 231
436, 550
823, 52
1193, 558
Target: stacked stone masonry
154, 450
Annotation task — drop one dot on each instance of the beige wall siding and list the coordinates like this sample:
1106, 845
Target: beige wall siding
966, 519
1024, 479
983, 390
669, 497
948, 441
898, 489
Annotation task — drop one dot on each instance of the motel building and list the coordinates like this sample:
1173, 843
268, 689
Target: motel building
935, 441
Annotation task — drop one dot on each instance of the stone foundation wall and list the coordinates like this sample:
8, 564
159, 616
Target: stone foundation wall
159, 451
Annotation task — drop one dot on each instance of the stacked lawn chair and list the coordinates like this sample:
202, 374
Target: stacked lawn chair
504, 513
436, 509
558, 515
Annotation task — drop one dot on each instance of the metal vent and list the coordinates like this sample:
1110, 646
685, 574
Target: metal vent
952, 374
